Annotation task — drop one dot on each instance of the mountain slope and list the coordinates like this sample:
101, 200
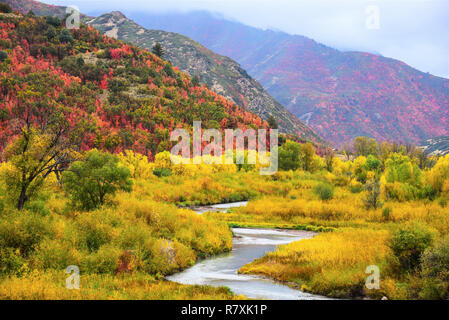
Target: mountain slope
220, 73
340, 95
114, 96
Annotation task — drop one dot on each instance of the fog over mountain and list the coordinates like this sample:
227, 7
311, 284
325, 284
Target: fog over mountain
413, 31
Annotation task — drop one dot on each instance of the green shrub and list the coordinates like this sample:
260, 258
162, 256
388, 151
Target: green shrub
386, 214
24, 231
162, 172
442, 202
435, 271
324, 191
105, 260
408, 245
11, 261
3, 56
371, 200
37, 206
53, 21
356, 188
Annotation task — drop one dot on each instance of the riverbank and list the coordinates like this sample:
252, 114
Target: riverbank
248, 245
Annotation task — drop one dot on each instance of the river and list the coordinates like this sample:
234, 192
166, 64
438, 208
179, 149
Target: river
248, 245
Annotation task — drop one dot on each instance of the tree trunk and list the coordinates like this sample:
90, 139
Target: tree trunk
22, 198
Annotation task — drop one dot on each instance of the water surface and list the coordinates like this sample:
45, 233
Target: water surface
248, 245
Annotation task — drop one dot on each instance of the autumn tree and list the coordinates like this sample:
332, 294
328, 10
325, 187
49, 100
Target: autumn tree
307, 156
91, 181
33, 156
158, 50
364, 146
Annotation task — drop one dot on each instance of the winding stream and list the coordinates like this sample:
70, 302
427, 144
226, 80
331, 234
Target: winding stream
248, 245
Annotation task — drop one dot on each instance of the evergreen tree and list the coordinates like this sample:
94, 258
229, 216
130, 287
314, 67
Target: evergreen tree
272, 122
158, 50
3, 56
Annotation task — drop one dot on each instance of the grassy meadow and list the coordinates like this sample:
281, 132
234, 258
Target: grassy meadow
388, 212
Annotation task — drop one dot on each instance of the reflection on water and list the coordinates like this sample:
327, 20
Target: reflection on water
248, 245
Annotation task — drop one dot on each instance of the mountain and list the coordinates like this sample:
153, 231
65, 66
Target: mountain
340, 95
221, 74
436, 146
112, 95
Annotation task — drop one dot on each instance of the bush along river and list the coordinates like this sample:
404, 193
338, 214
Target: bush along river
248, 245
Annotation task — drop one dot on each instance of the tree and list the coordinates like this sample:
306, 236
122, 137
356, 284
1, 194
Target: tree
3, 56
307, 156
158, 50
54, 21
91, 181
65, 36
33, 156
439, 175
51, 32
364, 146
5, 8
195, 81
371, 199
272, 123
289, 156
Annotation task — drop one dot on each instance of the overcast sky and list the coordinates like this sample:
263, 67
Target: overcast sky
414, 31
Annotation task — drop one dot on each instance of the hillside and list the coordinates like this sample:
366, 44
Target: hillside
223, 75
341, 95
114, 96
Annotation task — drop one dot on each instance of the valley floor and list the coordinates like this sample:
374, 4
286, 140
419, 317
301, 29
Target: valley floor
125, 248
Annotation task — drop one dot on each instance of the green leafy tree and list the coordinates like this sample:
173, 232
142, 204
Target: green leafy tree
195, 81
91, 181
324, 191
364, 146
409, 243
289, 156
158, 50
307, 156
400, 168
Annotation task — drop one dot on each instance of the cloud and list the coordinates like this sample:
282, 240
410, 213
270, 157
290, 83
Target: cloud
414, 31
